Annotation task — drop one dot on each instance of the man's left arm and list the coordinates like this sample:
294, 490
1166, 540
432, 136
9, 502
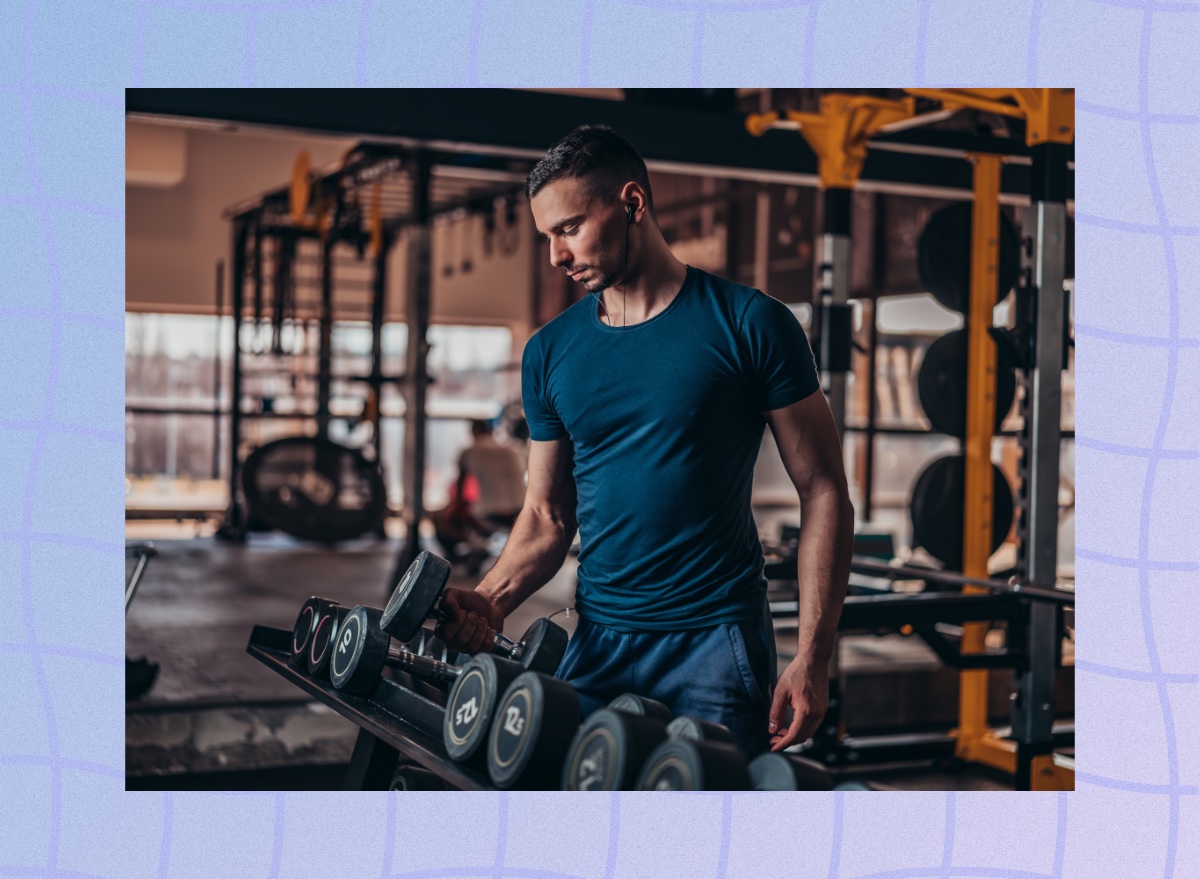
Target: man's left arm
811, 451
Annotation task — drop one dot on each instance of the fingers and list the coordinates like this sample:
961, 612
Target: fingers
778, 706
465, 630
790, 736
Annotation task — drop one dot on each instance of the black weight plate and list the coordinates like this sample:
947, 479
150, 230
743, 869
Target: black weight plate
936, 508
471, 703
532, 730
631, 703
302, 630
314, 489
942, 384
944, 256
682, 765
609, 749
596, 756
360, 652
415, 596
693, 729
545, 645
776, 771
519, 719
324, 634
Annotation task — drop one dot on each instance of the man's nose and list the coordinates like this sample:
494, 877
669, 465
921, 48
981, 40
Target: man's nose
559, 256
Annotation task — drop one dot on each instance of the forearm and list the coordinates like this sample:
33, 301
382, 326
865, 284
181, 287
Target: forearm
823, 562
535, 550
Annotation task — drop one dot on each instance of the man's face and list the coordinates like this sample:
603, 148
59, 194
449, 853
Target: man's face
587, 236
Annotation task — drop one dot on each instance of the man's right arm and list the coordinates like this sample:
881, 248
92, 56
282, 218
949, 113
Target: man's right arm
535, 550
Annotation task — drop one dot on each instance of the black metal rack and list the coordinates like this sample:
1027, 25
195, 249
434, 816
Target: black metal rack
394, 721
342, 222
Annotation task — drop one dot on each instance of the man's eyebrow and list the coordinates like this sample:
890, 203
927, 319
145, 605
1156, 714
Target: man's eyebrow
567, 222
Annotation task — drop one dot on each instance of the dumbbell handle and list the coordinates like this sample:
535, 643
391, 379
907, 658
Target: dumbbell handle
424, 667
502, 645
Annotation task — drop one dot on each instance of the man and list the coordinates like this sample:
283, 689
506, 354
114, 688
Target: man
500, 474
646, 403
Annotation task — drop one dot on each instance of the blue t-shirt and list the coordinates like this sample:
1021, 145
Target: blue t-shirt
665, 419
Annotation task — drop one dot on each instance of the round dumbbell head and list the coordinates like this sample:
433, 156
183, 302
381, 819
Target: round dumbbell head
414, 598
693, 729
856, 786
631, 703
531, 732
609, 750
415, 778
471, 703
778, 771
320, 646
302, 631
682, 765
545, 644
359, 652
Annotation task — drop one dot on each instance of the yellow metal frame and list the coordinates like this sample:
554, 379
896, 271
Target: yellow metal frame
1049, 114
838, 134
981, 412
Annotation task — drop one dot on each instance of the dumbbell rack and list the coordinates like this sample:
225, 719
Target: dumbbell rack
394, 721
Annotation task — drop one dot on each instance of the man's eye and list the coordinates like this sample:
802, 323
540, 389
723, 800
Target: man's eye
570, 230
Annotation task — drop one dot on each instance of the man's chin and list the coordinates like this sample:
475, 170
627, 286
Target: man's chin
601, 285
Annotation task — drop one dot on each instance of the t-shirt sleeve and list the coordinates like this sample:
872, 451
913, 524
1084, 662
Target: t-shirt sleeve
780, 361
544, 423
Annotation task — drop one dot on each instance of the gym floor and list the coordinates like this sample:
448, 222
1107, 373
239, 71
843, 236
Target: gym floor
216, 718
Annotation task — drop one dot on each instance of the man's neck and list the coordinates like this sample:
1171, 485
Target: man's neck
649, 292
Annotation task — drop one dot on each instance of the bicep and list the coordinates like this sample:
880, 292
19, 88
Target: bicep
808, 442
551, 486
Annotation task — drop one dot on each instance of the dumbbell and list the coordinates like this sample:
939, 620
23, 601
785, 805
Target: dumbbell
681, 764
313, 634
612, 745
409, 777
779, 771
418, 597
316, 629
531, 732
362, 652
471, 705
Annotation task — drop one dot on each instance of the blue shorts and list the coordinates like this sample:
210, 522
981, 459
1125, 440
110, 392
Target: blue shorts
723, 673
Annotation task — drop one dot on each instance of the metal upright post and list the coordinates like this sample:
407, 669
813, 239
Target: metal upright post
234, 526
378, 310
417, 308
972, 739
834, 353
325, 352
1043, 256
216, 452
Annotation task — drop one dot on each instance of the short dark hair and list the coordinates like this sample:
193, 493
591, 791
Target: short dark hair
599, 156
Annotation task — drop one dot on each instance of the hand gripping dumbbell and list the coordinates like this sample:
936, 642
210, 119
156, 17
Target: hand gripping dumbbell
681, 764
418, 597
364, 650
611, 746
